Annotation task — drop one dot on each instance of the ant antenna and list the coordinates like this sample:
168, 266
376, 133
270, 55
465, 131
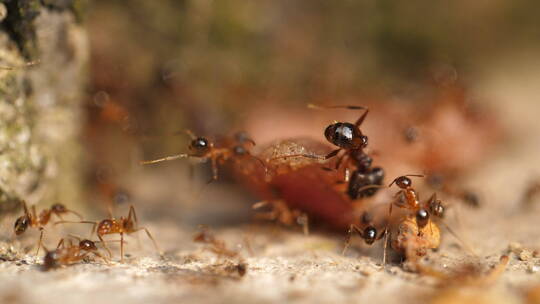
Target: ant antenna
167, 158
349, 107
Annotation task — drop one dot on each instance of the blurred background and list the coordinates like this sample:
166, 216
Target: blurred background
216, 67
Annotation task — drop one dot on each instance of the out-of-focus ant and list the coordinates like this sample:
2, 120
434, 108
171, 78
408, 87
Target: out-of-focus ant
71, 253
203, 148
33, 220
120, 226
349, 138
216, 246
280, 212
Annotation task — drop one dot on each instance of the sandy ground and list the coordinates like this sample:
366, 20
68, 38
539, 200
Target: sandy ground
286, 266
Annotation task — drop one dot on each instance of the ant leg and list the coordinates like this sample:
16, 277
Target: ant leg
121, 247
105, 245
40, 242
133, 215
25, 207
303, 220
352, 228
34, 213
387, 234
214, 170
151, 238
94, 225
60, 244
167, 158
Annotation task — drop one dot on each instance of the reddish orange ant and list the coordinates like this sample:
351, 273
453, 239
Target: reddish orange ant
33, 220
201, 147
70, 254
121, 226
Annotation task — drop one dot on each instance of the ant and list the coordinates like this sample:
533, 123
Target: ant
280, 212
369, 233
71, 253
121, 226
407, 198
33, 220
349, 138
216, 246
203, 148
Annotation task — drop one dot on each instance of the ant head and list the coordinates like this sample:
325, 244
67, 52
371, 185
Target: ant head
239, 150
21, 224
422, 218
370, 235
87, 245
345, 135
199, 146
58, 208
50, 260
403, 182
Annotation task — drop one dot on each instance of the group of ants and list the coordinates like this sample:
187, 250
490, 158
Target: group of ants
350, 154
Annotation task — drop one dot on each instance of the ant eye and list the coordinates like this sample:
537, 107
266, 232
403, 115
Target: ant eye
21, 224
370, 234
422, 218
199, 143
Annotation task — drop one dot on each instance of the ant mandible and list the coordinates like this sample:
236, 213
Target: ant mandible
120, 226
33, 220
201, 147
72, 253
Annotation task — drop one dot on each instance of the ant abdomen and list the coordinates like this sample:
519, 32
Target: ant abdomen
360, 182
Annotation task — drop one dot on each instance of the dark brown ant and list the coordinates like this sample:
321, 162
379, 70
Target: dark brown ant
369, 233
70, 254
121, 226
201, 147
349, 138
33, 220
